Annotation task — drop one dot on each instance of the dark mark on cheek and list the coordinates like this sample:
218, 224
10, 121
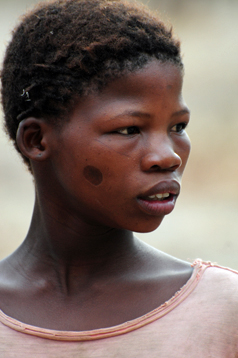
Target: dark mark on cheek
93, 175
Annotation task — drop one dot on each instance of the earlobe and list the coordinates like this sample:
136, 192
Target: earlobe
31, 139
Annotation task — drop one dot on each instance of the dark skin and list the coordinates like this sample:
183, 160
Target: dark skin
80, 266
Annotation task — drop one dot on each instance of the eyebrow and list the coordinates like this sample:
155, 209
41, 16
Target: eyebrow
147, 115
182, 112
131, 114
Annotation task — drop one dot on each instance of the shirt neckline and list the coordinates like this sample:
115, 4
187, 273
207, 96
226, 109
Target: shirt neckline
162, 310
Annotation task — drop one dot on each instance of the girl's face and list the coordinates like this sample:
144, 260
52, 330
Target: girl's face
120, 158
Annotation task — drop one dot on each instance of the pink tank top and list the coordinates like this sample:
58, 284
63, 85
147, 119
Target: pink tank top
200, 320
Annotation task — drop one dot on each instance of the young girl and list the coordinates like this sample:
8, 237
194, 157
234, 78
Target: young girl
91, 91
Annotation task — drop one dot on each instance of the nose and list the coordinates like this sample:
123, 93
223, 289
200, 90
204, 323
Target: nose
160, 156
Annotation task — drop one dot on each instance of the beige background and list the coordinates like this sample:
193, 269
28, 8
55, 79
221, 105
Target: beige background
205, 221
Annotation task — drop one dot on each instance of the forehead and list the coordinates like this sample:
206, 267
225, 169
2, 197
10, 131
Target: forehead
155, 74
153, 83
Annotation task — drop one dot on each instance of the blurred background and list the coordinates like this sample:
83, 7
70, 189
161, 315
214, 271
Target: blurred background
205, 221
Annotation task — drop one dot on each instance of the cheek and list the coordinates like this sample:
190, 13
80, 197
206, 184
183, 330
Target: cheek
93, 175
188, 144
185, 149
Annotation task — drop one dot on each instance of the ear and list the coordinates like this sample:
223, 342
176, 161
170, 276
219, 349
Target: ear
31, 138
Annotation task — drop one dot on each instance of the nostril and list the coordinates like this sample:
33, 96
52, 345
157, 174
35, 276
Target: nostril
162, 161
155, 168
158, 168
174, 167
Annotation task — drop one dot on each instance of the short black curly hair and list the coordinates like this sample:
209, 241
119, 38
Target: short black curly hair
65, 49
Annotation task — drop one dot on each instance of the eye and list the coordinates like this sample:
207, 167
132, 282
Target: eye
179, 128
129, 130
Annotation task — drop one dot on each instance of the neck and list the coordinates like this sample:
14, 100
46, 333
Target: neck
70, 247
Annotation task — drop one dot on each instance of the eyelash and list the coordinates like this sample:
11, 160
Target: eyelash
130, 130
135, 130
180, 127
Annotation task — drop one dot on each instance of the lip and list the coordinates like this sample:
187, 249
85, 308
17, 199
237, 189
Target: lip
165, 186
159, 207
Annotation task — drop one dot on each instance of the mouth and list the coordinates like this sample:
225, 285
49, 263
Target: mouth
160, 199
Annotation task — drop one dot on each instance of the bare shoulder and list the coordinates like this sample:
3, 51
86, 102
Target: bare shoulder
4, 269
8, 276
167, 274
165, 264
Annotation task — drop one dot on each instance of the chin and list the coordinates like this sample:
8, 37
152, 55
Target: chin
147, 227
